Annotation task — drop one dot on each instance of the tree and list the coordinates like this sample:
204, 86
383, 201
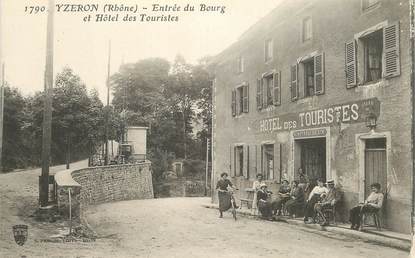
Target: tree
16, 152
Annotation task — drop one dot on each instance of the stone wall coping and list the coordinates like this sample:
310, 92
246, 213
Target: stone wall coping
64, 178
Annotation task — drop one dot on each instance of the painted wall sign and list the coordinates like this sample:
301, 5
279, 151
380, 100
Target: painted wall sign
310, 133
351, 112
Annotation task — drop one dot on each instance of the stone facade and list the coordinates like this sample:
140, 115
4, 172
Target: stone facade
335, 113
97, 185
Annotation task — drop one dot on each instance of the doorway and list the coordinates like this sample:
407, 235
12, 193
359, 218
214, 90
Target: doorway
311, 157
375, 164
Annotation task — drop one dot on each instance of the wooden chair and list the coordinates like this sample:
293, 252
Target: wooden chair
248, 201
375, 214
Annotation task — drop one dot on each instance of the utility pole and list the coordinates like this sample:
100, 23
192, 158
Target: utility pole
47, 111
2, 80
108, 105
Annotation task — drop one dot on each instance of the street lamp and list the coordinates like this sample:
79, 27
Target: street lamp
371, 121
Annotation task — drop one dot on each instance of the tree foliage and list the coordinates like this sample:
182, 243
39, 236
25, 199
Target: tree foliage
171, 101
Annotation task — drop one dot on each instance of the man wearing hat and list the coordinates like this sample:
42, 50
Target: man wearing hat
328, 200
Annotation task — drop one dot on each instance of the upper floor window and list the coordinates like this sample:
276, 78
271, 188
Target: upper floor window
309, 78
269, 90
367, 4
240, 65
313, 80
373, 56
307, 29
373, 48
240, 100
268, 49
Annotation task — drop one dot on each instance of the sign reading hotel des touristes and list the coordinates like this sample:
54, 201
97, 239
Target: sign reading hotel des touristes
350, 112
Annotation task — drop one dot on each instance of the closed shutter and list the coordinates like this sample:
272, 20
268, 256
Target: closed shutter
246, 161
391, 60
232, 161
294, 82
233, 103
319, 74
259, 93
245, 94
351, 69
277, 89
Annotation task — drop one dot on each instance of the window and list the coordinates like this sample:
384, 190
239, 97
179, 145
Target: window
268, 161
240, 100
373, 48
269, 90
307, 29
313, 79
269, 85
309, 78
240, 65
367, 4
240, 163
239, 158
268, 49
373, 56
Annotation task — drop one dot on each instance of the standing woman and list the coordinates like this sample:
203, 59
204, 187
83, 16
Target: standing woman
255, 187
223, 194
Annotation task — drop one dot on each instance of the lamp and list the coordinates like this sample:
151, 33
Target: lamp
371, 120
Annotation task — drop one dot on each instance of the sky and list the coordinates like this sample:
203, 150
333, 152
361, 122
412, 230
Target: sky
83, 46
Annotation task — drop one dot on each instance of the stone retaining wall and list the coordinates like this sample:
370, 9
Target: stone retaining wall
96, 185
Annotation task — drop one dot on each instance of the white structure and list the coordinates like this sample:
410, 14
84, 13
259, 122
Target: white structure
137, 137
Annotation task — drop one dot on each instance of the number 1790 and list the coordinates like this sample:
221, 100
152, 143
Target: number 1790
34, 9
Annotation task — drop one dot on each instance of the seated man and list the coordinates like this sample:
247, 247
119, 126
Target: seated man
264, 201
328, 200
373, 203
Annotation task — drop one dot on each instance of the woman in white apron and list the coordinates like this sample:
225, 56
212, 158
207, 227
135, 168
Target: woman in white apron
255, 187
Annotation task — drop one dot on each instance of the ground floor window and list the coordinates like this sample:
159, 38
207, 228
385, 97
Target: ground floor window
268, 161
239, 160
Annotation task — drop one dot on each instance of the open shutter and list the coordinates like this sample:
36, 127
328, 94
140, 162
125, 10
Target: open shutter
391, 60
246, 161
259, 93
294, 82
351, 69
233, 103
232, 161
245, 94
277, 89
319, 74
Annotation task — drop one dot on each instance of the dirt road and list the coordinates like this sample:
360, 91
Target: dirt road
178, 227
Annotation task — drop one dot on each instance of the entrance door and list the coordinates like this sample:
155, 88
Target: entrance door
375, 164
313, 157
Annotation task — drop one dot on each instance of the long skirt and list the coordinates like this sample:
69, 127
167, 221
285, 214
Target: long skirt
309, 207
254, 210
265, 208
224, 201
294, 207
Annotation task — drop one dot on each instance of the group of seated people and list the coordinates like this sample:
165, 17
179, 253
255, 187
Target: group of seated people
303, 197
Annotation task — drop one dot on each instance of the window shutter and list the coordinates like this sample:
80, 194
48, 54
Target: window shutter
233, 103
351, 69
277, 89
391, 60
294, 82
232, 161
245, 94
319, 74
259, 92
246, 161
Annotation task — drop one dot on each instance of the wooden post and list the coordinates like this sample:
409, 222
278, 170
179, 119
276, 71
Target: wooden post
207, 165
108, 104
47, 112
2, 80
